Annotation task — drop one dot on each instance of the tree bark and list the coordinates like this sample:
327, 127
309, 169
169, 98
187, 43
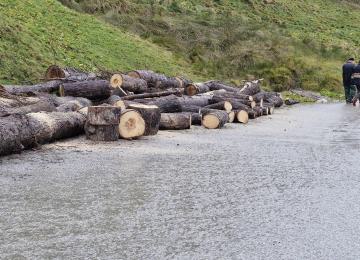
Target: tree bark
223, 105
195, 119
128, 83
251, 88
196, 88
106, 133
19, 132
47, 87
231, 115
70, 74
153, 95
149, 76
103, 115
42, 105
213, 119
241, 116
151, 115
175, 121
190, 108
93, 90
166, 83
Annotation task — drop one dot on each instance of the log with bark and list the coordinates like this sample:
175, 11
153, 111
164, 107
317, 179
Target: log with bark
175, 121
19, 132
168, 83
198, 88
234, 101
196, 119
212, 118
128, 83
31, 90
131, 125
251, 88
70, 74
151, 115
241, 116
42, 105
93, 90
190, 108
231, 115
149, 76
154, 95
223, 105
115, 101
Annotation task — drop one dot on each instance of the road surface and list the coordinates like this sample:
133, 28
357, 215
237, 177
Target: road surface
285, 186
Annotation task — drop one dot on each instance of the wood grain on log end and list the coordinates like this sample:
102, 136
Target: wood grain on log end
131, 125
231, 116
116, 81
242, 117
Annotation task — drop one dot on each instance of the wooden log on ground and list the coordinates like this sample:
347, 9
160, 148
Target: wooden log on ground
190, 108
213, 119
223, 105
236, 95
115, 101
149, 76
104, 133
103, 115
19, 132
196, 119
70, 74
269, 97
167, 83
153, 95
131, 125
233, 101
258, 111
47, 87
196, 88
241, 116
93, 90
175, 121
270, 107
128, 83
200, 101
42, 105
231, 115
291, 102
151, 115
252, 113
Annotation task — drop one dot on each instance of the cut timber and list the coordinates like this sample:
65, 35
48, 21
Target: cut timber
175, 121
70, 74
151, 115
258, 111
251, 88
116, 101
166, 83
223, 105
19, 132
195, 119
233, 101
265, 111
190, 108
252, 114
213, 119
196, 88
169, 104
153, 95
42, 105
231, 115
200, 101
93, 90
103, 115
149, 76
105, 133
132, 125
48, 87
128, 83
241, 116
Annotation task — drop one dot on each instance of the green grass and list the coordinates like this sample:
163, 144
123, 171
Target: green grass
291, 43
37, 33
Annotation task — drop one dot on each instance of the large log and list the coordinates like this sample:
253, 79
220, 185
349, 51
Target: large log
175, 121
190, 108
42, 105
169, 104
196, 119
233, 101
151, 115
103, 115
167, 83
196, 88
251, 88
236, 95
128, 83
93, 90
213, 119
149, 76
48, 87
70, 74
200, 101
115, 101
106, 133
131, 125
231, 115
241, 116
19, 132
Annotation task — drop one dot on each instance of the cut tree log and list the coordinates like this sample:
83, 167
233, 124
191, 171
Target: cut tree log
200, 101
196, 119
258, 111
169, 104
291, 102
234, 101
196, 88
115, 101
241, 116
42, 105
251, 88
213, 119
151, 115
231, 115
19, 132
191, 109
132, 125
252, 114
103, 115
93, 90
128, 83
223, 105
70, 74
153, 95
149, 76
47, 87
167, 83
175, 121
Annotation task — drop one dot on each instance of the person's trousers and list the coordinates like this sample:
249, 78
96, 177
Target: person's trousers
350, 92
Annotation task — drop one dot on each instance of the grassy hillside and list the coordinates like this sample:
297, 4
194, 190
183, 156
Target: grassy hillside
291, 43
37, 33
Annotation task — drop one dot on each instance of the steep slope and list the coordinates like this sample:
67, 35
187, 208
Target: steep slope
291, 43
36, 33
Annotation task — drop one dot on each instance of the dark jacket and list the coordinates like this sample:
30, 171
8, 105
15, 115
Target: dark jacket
356, 76
348, 70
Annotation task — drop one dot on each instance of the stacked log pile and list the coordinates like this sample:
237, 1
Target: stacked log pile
121, 105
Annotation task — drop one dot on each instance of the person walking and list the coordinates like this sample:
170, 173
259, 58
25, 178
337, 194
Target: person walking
348, 70
355, 80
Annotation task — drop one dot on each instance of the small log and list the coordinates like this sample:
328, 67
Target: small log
231, 115
233, 101
213, 119
103, 115
175, 121
167, 83
106, 133
196, 88
241, 116
93, 90
47, 87
200, 101
223, 105
251, 88
128, 83
131, 125
151, 115
196, 119
19, 132
153, 95
116, 101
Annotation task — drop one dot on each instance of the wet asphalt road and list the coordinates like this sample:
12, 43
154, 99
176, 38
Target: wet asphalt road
282, 187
